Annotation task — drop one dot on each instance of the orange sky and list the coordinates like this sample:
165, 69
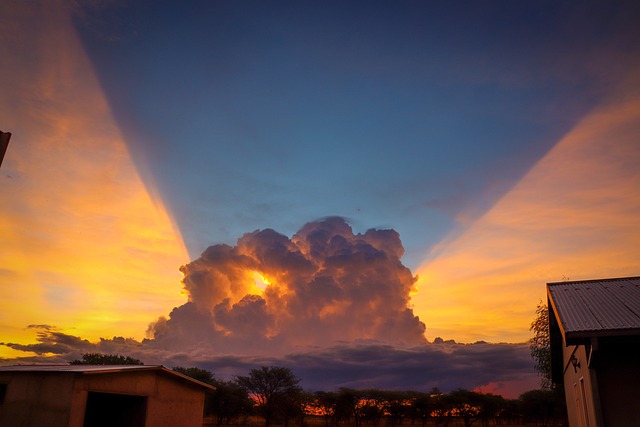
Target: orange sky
575, 214
85, 246
88, 248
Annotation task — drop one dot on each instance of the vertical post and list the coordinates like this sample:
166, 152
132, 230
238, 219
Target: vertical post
4, 143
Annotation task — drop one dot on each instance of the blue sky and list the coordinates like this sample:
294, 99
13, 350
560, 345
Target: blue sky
255, 115
498, 139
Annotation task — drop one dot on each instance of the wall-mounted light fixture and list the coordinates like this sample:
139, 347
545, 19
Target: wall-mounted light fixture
574, 361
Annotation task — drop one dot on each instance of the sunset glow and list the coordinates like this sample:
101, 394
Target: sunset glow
260, 281
373, 194
575, 215
85, 246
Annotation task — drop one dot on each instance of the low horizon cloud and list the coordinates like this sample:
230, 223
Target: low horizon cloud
447, 365
332, 305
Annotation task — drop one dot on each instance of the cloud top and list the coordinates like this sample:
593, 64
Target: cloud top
324, 285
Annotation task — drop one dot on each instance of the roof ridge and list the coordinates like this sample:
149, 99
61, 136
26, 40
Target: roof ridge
612, 279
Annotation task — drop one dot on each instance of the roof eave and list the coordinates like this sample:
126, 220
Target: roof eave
579, 337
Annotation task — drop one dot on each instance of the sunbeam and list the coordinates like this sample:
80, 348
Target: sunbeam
575, 215
84, 244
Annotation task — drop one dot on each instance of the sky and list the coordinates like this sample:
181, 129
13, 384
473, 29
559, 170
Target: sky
333, 186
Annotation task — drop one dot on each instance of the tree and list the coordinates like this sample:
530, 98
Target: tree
442, 406
106, 359
201, 375
491, 408
466, 404
272, 388
542, 406
325, 403
396, 405
294, 407
346, 402
228, 401
540, 345
369, 407
422, 405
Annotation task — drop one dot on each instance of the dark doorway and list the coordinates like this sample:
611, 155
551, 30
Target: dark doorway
108, 410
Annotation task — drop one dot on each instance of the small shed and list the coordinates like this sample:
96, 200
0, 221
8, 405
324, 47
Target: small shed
105, 395
595, 349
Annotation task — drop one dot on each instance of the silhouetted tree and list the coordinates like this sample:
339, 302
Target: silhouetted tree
442, 406
422, 407
201, 375
491, 408
511, 412
370, 406
346, 405
271, 387
106, 359
397, 405
294, 407
325, 402
466, 404
542, 406
229, 401
540, 345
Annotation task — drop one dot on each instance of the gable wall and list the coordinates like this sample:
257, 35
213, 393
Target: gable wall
169, 402
55, 399
36, 399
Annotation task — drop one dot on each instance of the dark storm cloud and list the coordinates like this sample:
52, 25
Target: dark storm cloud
446, 365
51, 342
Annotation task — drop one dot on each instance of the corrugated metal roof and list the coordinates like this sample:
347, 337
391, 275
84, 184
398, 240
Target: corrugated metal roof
101, 369
595, 308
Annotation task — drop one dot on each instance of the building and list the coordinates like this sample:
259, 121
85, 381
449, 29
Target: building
88, 396
4, 143
595, 349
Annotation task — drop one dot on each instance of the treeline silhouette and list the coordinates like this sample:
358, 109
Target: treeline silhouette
273, 394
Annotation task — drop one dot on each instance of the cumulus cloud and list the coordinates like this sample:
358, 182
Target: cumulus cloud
323, 285
334, 308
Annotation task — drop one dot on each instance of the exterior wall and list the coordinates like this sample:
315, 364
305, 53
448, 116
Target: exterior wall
609, 389
55, 399
169, 402
583, 407
36, 399
175, 404
618, 366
